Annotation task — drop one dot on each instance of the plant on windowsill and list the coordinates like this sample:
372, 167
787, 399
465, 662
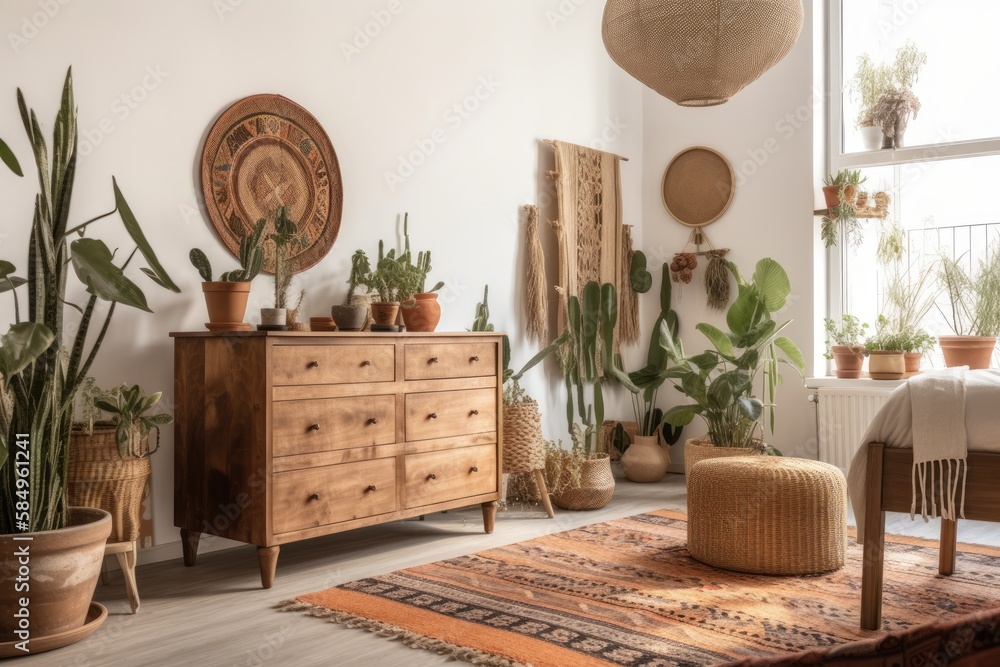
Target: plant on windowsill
895, 105
885, 352
840, 193
721, 382
870, 82
226, 299
844, 345
44, 360
973, 310
916, 343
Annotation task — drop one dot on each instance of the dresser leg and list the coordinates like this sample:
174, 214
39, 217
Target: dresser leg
489, 516
268, 557
189, 544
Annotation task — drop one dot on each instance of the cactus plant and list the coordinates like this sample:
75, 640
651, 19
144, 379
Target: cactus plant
251, 259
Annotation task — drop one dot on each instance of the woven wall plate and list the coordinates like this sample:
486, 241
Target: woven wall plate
263, 152
698, 186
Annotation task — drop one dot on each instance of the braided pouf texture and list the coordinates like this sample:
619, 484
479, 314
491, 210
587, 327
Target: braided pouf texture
767, 515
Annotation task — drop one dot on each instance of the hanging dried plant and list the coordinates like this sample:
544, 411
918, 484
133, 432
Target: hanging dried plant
536, 297
628, 309
717, 280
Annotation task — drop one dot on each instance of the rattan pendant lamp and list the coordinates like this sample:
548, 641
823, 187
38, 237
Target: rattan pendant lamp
700, 53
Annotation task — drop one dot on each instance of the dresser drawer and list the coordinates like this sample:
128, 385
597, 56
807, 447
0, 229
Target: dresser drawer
333, 364
443, 414
451, 360
435, 477
318, 496
323, 425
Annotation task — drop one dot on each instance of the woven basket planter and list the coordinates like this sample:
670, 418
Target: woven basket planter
523, 442
597, 487
699, 449
100, 477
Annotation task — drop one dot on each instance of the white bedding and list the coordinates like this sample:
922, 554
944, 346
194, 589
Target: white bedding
893, 426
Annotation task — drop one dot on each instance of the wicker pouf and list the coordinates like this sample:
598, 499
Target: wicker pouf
767, 515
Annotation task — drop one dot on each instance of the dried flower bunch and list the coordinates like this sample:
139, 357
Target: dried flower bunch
886, 91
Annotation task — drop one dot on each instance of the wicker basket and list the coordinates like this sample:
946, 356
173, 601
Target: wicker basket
597, 487
523, 442
699, 449
100, 477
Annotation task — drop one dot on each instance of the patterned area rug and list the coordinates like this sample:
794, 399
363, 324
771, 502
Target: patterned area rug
626, 592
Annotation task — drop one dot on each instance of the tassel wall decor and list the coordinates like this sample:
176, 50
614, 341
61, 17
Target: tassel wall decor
536, 298
628, 309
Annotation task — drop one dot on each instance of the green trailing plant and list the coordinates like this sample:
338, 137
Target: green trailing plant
285, 237
251, 258
130, 408
44, 362
972, 307
850, 332
721, 382
842, 218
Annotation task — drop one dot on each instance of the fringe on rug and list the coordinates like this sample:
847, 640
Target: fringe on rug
952, 481
410, 639
536, 294
628, 308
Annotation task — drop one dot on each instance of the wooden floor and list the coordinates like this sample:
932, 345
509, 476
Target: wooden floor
216, 614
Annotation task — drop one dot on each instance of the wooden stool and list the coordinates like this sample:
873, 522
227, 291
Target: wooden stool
126, 553
524, 446
767, 515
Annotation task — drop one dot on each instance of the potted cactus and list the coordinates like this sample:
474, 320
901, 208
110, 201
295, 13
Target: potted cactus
422, 312
226, 298
285, 236
351, 316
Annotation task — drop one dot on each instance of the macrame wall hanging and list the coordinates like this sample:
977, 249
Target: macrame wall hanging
700, 53
536, 295
589, 228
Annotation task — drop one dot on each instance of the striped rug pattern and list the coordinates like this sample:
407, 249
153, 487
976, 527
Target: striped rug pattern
626, 592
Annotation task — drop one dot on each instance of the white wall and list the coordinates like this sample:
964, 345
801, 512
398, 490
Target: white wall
552, 78
766, 132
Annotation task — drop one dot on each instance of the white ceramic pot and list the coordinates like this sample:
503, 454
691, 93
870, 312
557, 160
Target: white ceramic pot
871, 136
272, 317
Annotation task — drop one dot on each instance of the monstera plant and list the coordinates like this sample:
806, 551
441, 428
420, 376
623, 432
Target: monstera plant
44, 356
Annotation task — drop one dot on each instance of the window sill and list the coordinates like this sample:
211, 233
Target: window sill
863, 382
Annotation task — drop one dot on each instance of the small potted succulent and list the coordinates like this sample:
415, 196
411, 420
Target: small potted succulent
226, 298
885, 352
844, 345
393, 280
285, 236
351, 316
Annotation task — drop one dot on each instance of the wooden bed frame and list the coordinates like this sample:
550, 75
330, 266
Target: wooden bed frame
889, 488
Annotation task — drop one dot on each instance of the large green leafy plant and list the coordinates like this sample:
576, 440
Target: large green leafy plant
722, 382
44, 362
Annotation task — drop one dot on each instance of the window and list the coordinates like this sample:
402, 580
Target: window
942, 179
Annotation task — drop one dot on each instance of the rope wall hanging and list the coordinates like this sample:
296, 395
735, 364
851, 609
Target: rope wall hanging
700, 53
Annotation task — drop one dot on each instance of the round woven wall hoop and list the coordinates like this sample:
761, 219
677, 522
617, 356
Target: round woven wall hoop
698, 186
263, 152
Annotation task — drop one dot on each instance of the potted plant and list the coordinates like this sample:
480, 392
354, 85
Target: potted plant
285, 236
393, 280
844, 345
226, 298
43, 365
870, 82
916, 343
351, 316
885, 352
721, 382
894, 105
840, 193
422, 312
972, 311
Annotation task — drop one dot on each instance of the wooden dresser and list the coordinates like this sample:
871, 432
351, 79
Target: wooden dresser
280, 437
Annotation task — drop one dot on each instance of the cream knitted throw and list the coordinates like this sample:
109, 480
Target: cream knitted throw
940, 443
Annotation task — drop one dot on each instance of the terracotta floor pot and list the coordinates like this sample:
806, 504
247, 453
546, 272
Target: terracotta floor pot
63, 567
350, 317
645, 460
422, 313
227, 302
912, 361
886, 365
699, 449
383, 313
849, 360
972, 351
597, 487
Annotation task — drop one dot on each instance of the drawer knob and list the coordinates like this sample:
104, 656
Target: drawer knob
474, 469
432, 415
314, 427
373, 420
431, 476
366, 362
473, 412
371, 487
473, 359
313, 496
433, 360
313, 364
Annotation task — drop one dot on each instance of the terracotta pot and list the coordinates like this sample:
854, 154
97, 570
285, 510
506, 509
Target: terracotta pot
912, 360
849, 360
862, 201
350, 317
831, 193
384, 313
63, 566
422, 312
645, 460
972, 351
886, 365
871, 136
699, 449
273, 317
227, 302
597, 487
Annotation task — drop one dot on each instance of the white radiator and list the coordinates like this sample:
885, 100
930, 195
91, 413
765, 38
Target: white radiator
843, 416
